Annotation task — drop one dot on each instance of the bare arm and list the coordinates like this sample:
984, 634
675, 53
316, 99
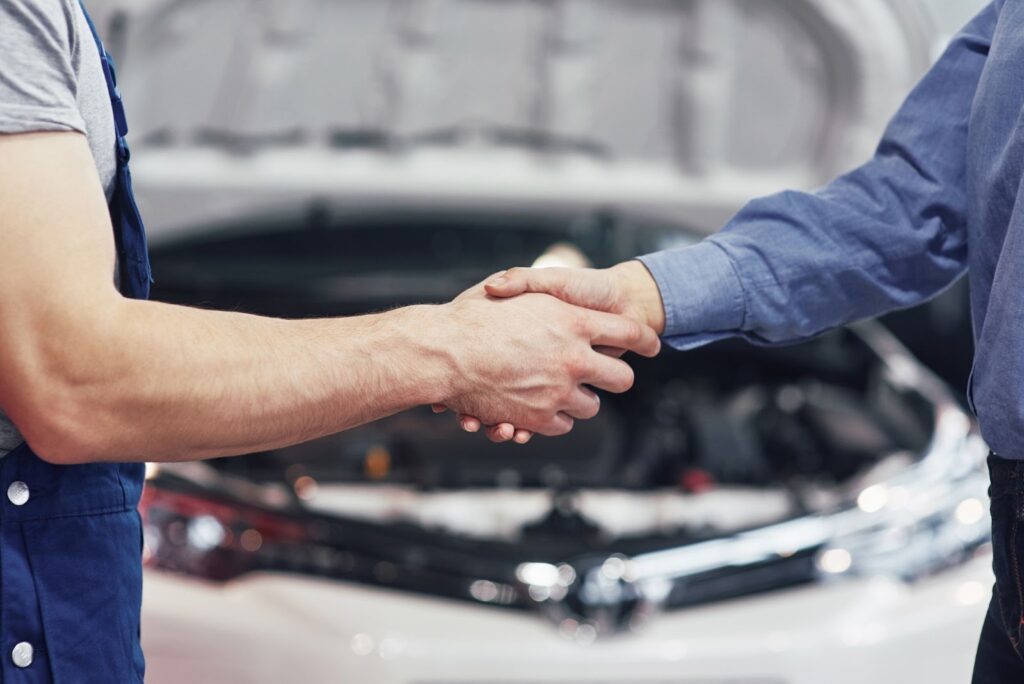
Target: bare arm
89, 375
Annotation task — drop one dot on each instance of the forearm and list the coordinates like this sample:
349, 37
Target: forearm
152, 381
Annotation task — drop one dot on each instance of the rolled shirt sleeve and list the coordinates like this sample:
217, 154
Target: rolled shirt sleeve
888, 235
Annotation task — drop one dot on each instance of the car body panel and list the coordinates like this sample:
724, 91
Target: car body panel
272, 628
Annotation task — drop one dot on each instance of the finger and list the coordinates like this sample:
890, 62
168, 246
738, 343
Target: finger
516, 281
608, 373
469, 423
559, 424
615, 352
438, 408
611, 330
584, 404
522, 436
502, 432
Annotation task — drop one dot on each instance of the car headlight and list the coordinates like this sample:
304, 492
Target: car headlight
926, 519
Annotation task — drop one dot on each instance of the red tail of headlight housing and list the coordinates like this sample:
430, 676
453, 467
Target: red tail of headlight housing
214, 539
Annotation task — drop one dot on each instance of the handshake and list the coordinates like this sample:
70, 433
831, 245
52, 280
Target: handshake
531, 342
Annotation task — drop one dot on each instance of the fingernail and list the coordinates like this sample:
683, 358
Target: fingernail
498, 281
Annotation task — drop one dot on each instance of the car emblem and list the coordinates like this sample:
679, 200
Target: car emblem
591, 597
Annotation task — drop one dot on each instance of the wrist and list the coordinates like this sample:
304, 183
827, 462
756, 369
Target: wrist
641, 292
424, 335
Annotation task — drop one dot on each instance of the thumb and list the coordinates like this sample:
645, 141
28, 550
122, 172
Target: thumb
516, 281
507, 283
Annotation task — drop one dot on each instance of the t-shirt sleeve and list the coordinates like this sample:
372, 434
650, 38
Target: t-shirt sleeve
38, 82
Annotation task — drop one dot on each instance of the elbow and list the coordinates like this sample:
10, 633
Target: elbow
59, 394
62, 429
62, 449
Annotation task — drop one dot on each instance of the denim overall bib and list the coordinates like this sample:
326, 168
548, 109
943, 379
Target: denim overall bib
70, 535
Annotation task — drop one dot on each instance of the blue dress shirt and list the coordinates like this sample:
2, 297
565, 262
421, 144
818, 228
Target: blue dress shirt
939, 196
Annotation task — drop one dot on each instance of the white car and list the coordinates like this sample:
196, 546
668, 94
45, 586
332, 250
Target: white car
753, 516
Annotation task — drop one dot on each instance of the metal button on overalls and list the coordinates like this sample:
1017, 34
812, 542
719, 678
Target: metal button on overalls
70, 535
17, 493
22, 654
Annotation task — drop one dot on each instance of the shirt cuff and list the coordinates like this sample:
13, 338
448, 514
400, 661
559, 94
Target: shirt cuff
700, 289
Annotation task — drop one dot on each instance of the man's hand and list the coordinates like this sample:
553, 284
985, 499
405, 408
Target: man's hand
526, 361
625, 290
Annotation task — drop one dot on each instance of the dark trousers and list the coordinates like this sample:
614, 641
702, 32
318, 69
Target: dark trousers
1000, 658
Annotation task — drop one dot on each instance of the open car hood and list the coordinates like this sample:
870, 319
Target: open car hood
693, 106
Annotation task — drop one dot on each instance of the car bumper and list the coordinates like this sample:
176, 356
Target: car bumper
272, 628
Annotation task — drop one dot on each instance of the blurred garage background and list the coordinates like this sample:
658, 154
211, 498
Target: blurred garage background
785, 516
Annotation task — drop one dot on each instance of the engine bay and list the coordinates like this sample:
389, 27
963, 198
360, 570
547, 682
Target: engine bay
765, 432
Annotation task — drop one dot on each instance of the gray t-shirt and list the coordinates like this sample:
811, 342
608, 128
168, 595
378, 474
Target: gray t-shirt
51, 79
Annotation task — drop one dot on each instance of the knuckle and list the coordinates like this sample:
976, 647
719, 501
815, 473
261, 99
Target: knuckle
634, 331
576, 365
566, 397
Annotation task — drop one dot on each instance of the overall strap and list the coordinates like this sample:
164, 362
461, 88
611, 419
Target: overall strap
129, 232
120, 121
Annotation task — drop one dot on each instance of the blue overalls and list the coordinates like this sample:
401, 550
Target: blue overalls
70, 535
